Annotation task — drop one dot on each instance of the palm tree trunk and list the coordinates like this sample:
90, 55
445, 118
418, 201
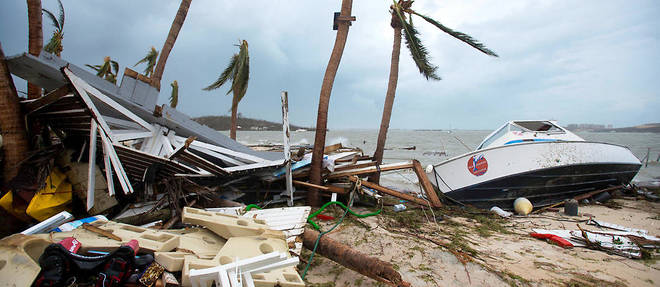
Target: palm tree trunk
389, 102
234, 117
35, 40
169, 42
15, 143
324, 101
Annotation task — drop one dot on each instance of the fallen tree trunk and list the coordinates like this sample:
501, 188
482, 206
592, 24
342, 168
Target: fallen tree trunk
352, 259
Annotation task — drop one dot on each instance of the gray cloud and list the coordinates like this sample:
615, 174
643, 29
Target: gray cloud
574, 61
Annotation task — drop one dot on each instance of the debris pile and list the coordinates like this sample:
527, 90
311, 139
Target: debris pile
159, 197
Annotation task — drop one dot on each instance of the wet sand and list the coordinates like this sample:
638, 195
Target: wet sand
496, 252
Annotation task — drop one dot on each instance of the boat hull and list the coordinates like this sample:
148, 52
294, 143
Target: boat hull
544, 173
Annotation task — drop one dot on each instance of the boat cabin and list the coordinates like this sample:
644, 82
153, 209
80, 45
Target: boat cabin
515, 132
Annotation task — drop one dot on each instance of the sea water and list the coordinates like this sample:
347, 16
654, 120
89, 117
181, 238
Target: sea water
435, 146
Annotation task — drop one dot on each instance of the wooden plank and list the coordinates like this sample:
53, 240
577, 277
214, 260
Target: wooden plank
354, 166
108, 171
116, 163
47, 100
327, 188
240, 155
331, 148
105, 99
391, 192
91, 171
371, 169
426, 184
131, 135
80, 86
359, 158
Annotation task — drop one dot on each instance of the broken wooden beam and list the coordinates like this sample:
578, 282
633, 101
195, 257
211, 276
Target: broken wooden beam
372, 169
352, 259
331, 148
327, 188
391, 192
426, 184
354, 166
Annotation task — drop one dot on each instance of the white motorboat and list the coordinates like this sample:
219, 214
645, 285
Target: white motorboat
538, 160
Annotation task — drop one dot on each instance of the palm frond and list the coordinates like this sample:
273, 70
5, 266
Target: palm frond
174, 97
61, 15
150, 59
226, 75
115, 66
417, 50
459, 35
242, 77
52, 18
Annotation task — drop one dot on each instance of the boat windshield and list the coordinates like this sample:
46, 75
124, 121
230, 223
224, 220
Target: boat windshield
539, 126
545, 127
496, 135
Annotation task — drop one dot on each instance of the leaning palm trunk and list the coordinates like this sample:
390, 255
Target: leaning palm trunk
234, 116
389, 102
15, 143
169, 43
324, 100
35, 39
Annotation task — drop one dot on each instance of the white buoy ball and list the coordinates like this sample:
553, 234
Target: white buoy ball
429, 168
522, 206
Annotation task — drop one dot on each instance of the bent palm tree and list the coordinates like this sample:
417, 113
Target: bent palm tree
54, 46
174, 97
169, 42
419, 53
150, 59
324, 101
35, 39
105, 70
238, 71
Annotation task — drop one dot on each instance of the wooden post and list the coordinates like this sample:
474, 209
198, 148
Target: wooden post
391, 192
426, 184
287, 148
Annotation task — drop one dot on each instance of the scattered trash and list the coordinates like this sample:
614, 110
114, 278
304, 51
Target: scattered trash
500, 212
602, 197
571, 207
49, 223
399, 207
522, 206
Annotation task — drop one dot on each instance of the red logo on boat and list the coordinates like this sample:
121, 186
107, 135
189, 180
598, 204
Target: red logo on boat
477, 165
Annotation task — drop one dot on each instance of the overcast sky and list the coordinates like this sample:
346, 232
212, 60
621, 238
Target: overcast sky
572, 61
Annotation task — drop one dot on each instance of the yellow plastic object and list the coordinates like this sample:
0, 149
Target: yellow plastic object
7, 202
522, 206
52, 199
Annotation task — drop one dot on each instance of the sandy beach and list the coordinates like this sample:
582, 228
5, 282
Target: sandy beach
473, 248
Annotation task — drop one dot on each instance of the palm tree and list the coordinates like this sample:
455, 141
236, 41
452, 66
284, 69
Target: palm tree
169, 42
419, 53
105, 70
174, 97
14, 137
150, 59
54, 46
35, 39
324, 100
238, 71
